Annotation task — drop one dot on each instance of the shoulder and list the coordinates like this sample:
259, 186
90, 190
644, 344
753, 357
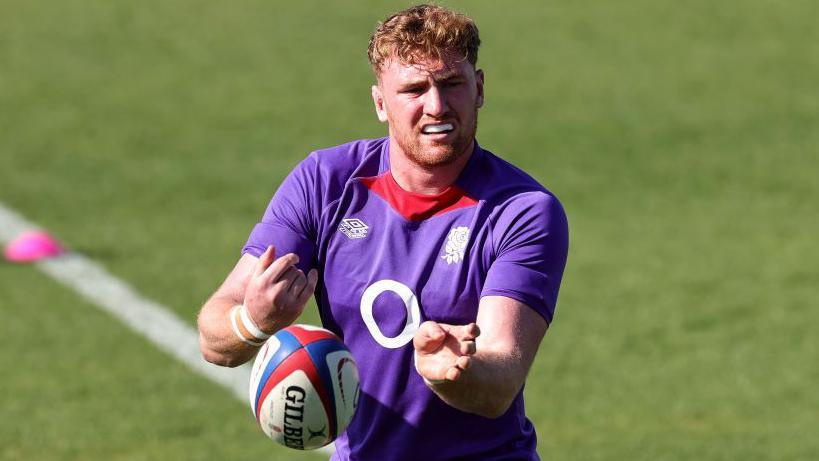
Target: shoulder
510, 191
326, 171
347, 160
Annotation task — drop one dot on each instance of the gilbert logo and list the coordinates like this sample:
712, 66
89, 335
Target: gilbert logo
353, 228
294, 417
456, 244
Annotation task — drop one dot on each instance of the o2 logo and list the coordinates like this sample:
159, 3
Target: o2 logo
410, 303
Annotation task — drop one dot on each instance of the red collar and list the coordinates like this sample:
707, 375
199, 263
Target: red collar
417, 207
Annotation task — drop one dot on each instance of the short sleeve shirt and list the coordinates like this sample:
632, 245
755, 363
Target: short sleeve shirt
390, 259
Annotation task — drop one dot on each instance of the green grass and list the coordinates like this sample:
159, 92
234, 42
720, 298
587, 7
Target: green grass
681, 138
77, 385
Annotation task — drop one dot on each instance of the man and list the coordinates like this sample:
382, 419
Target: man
437, 262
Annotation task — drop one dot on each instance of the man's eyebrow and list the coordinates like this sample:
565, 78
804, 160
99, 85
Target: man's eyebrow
447, 75
415, 82
443, 76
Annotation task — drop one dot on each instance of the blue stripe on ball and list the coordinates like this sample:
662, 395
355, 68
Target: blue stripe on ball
318, 350
288, 345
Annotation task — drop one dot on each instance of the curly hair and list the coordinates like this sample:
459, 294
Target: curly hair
420, 32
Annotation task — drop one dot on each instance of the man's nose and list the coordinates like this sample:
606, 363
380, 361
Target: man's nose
435, 102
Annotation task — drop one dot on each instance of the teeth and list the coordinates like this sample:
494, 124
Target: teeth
443, 127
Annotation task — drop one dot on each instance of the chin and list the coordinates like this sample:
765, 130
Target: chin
429, 154
436, 155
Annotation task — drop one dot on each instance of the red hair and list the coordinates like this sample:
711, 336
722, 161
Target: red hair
423, 31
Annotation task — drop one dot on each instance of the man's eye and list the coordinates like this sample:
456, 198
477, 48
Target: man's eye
414, 90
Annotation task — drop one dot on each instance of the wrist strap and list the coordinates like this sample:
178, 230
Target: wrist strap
235, 313
250, 325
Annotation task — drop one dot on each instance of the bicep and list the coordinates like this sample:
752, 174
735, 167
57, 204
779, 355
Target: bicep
510, 328
532, 245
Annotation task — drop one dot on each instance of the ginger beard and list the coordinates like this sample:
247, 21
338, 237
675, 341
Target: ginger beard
436, 152
431, 108
429, 153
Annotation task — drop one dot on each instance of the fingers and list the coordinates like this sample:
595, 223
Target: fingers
265, 260
453, 374
468, 347
461, 364
289, 279
298, 284
472, 331
463, 332
310, 287
465, 336
449, 348
279, 267
429, 337
296, 287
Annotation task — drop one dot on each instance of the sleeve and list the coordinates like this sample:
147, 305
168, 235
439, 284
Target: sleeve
291, 219
531, 237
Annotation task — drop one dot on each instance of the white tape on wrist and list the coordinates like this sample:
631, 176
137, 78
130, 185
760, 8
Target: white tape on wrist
235, 325
251, 326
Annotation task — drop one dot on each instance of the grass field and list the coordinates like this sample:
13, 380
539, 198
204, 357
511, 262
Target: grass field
680, 136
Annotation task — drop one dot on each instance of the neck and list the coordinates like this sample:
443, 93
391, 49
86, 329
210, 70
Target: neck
422, 179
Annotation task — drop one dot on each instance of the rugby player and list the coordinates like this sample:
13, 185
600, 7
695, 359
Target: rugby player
436, 261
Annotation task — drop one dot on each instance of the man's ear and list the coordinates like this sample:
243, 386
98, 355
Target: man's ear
378, 100
479, 81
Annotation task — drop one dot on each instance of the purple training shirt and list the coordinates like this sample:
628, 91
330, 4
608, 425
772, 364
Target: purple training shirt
390, 259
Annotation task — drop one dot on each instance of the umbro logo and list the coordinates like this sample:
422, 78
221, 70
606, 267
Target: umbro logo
353, 228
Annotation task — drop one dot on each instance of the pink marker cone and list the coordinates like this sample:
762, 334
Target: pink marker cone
32, 246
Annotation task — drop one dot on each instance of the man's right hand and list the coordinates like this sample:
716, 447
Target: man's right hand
277, 291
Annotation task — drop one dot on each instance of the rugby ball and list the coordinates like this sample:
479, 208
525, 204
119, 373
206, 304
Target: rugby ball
304, 387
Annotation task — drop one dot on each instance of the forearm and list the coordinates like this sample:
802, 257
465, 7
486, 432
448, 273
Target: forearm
272, 292
217, 340
488, 387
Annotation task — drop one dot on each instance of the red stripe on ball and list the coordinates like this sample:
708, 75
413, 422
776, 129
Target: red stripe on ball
305, 336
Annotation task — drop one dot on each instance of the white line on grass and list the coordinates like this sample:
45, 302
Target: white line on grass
151, 319
144, 316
